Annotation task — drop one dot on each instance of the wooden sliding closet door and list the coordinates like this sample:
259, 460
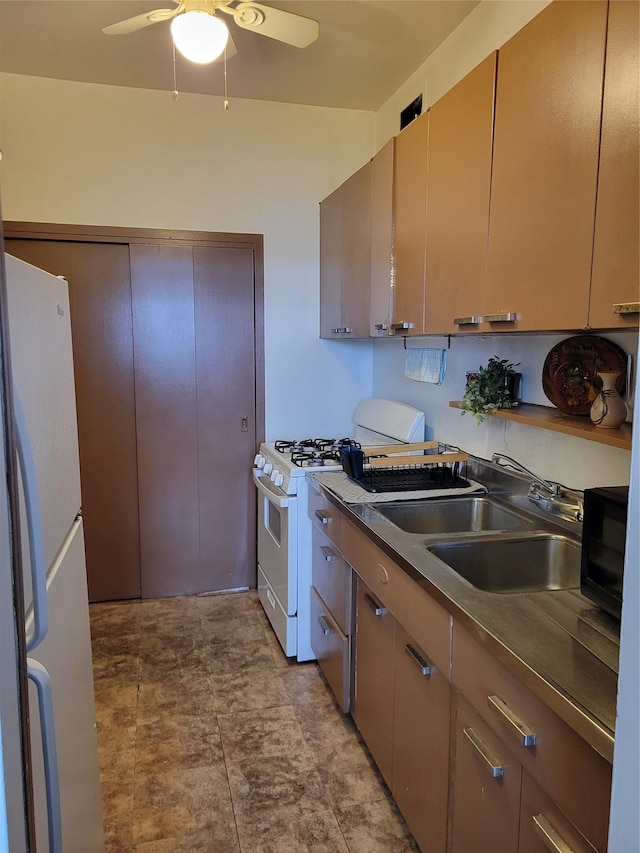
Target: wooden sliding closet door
99, 287
226, 396
164, 335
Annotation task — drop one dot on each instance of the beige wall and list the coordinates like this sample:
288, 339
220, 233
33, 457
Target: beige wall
88, 154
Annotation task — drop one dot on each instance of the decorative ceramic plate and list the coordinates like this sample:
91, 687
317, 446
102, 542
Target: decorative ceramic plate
570, 371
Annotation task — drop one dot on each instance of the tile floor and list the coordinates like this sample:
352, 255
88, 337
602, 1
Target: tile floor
211, 741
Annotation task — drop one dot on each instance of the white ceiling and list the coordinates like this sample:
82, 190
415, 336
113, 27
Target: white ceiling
366, 49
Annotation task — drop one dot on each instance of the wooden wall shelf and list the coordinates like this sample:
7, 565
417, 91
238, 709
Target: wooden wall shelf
545, 417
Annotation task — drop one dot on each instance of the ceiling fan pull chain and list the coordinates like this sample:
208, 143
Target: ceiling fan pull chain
226, 99
174, 94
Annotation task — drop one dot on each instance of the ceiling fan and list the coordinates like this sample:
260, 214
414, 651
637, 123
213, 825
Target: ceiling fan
202, 37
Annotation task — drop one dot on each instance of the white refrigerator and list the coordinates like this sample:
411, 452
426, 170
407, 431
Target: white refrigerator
62, 773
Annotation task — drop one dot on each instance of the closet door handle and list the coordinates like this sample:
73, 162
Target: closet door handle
549, 835
495, 770
522, 732
378, 609
40, 677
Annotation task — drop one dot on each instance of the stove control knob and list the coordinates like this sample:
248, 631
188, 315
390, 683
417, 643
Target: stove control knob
274, 474
267, 467
259, 461
279, 480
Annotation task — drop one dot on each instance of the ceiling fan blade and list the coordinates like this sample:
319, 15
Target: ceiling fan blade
275, 23
130, 25
230, 50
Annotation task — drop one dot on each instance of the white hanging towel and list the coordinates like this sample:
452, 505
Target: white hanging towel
425, 364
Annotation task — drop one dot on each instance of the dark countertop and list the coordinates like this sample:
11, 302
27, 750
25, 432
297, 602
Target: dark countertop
559, 644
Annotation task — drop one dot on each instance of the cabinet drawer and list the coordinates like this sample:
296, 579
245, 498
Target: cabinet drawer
427, 622
331, 576
576, 778
542, 824
324, 514
332, 650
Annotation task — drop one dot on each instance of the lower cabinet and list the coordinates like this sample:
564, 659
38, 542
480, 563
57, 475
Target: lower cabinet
374, 665
421, 715
487, 779
474, 759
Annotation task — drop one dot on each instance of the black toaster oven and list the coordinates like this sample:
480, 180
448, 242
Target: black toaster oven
604, 533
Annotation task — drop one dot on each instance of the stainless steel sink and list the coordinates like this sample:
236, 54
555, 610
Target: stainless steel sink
529, 563
452, 515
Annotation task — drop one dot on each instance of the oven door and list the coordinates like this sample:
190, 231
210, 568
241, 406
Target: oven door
278, 541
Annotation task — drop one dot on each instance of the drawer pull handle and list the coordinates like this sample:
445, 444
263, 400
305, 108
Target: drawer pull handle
399, 327
327, 553
495, 770
626, 307
345, 330
323, 516
423, 664
502, 317
473, 320
381, 327
373, 604
326, 628
523, 733
549, 835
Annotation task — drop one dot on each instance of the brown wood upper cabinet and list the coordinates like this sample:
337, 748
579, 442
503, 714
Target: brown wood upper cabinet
614, 284
545, 169
409, 210
459, 178
356, 248
345, 258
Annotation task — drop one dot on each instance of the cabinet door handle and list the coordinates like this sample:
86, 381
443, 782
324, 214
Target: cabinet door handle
495, 770
378, 609
626, 307
501, 317
467, 321
345, 330
424, 665
549, 835
398, 327
381, 327
327, 553
522, 732
326, 628
323, 516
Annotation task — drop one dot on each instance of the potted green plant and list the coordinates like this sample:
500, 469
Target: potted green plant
492, 387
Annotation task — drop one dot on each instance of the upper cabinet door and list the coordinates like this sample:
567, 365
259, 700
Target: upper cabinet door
410, 216
345, 258
382, 167
615, 257
460, 141
545, 167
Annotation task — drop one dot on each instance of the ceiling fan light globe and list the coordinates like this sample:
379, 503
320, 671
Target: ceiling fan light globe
199, 36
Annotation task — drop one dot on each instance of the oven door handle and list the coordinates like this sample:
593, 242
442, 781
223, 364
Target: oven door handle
275, 499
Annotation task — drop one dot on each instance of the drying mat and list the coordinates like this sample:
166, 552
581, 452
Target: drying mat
352, 493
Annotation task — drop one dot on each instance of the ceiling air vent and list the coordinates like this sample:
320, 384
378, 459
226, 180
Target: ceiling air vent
412, 111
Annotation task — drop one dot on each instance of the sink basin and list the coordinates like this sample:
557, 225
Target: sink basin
452, 515
532, 563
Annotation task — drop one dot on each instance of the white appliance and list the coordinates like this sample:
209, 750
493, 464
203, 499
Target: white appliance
284, 527
64, 788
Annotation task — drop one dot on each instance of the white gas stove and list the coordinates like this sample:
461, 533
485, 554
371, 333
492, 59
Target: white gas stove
284, 527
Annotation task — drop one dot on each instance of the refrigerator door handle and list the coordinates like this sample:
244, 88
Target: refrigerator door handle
40, 677
34, 523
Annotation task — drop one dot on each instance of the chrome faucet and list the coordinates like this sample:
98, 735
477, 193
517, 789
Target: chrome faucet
548, 495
